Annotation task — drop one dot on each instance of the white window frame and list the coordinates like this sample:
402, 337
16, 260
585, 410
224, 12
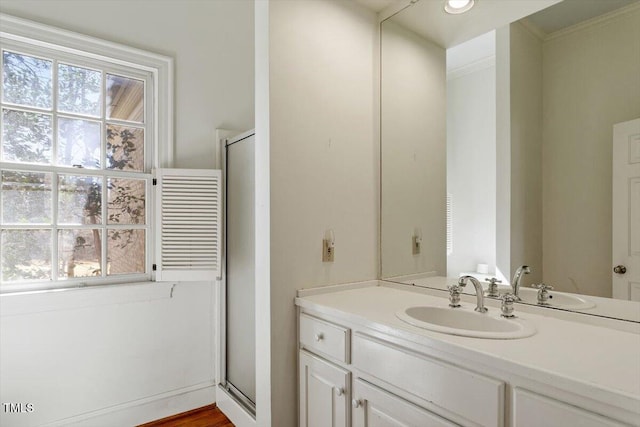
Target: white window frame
40, 40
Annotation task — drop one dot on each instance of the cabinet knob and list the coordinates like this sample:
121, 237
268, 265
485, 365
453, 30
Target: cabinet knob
619, 269
319, 337
339, 391
356, 403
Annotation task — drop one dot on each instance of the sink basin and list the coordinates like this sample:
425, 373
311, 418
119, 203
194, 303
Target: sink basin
557, 299
460, 321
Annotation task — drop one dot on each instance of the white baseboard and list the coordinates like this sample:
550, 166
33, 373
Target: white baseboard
233, 410
145, 410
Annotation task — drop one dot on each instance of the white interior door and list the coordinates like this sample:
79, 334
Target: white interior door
626, 210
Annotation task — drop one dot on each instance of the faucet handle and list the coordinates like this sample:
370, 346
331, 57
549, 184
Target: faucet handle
507, 305
454, 295
492, 290
543, 293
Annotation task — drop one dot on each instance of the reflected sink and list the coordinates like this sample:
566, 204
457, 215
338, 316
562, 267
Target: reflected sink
557, 299
460, 321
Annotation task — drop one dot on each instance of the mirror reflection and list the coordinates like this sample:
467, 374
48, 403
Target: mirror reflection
498, 150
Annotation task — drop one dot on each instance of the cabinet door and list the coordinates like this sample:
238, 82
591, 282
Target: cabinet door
533, 410
469, 395
324, 393
374, 407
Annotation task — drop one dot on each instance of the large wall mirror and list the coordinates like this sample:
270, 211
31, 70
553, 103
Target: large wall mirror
498, 148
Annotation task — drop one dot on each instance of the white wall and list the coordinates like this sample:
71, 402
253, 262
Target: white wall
263, 218
476, 104
122, 355
503, 153
126, 354
518, 152
413, 109
323, 165
526, 152
471, 165
591, 82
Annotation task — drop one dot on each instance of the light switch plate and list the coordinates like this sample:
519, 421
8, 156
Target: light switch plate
328, 251
415, 245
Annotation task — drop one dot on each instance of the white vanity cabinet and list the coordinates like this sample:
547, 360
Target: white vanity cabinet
333, 392
358, 372
324, 383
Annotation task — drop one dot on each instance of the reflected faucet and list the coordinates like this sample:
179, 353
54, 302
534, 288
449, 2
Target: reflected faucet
479, 292
515, 283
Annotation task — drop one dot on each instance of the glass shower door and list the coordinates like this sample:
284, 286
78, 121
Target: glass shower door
240, 270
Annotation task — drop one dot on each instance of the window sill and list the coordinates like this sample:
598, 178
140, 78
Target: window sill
20, 303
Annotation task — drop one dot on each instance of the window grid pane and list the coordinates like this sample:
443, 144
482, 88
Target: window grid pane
79, 143
26, 254
26, 197
25, 71
79, 253
27, 136
125, 98
125, 147
81, 137
80, 199
126, 201
79, 90
126, 251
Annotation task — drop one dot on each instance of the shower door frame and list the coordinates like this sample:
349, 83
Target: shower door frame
231, 401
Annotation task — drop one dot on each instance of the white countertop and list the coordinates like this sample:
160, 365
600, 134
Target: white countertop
594, 361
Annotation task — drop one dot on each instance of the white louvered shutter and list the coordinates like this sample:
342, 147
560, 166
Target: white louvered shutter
189, 216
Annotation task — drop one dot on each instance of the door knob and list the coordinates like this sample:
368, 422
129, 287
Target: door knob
619, 269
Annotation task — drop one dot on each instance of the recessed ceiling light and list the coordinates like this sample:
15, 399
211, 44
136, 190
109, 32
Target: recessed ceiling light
456, 7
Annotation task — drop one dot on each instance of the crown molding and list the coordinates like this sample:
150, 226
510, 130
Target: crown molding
472, 67
593, 22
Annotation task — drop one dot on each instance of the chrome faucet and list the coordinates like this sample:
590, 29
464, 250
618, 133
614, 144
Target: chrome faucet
515, 283
479, 292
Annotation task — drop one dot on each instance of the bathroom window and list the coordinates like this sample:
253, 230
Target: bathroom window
77, 147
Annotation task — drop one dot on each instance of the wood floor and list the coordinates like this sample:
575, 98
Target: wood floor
207, 416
